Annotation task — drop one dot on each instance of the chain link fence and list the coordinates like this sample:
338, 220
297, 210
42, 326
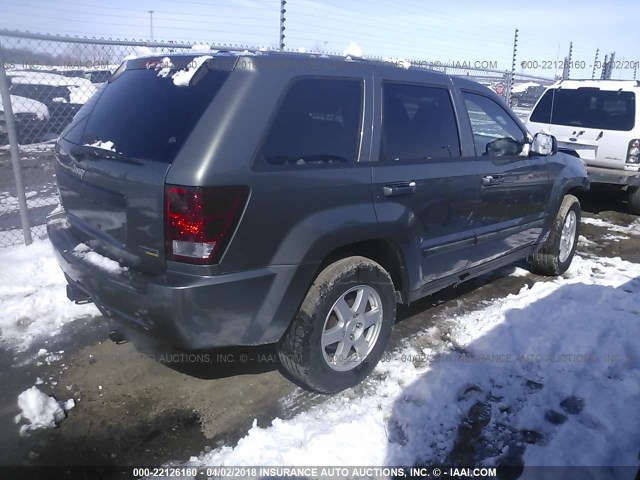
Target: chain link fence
45, 80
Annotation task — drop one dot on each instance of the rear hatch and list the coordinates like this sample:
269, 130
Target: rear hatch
590, 121
113, 158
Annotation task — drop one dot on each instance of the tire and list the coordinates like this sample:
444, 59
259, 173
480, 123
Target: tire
633, 198
515, 102
325, 367
553, 259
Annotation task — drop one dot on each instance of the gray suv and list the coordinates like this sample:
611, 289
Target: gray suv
282, 198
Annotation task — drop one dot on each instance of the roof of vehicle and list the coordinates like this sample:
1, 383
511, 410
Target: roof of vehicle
46, 78
21, 104
521, 87
613, 85
275, 57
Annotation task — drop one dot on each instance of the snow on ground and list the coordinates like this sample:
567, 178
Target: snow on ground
632, 229
40, 410
33, 295
551, 375
9, 203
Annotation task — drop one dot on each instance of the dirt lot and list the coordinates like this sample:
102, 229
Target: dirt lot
140, 403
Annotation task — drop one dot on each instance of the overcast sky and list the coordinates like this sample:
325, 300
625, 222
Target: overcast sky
466, 30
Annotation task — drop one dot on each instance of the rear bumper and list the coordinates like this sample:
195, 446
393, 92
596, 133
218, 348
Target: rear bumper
187, 311
614, 177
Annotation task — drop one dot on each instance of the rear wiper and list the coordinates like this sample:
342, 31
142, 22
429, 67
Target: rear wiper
87, 152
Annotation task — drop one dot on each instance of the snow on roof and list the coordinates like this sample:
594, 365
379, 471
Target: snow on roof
107, 145
354, 51
27, 105
521, 87
47, 78
183, 77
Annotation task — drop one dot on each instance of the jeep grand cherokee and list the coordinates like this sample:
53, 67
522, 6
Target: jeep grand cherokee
295, 200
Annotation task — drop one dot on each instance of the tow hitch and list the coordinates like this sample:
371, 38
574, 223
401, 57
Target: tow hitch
76, 295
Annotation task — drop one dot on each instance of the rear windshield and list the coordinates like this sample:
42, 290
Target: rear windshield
146, 113
587, 107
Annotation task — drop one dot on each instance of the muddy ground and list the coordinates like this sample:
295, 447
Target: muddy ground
138, 403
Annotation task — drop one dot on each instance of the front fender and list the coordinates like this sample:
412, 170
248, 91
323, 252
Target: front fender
568, 173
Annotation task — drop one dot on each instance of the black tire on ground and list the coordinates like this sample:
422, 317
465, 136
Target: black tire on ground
633, 198
515, 102
547, 261
301, 352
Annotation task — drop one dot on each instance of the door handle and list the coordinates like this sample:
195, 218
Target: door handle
489, 180
404, 188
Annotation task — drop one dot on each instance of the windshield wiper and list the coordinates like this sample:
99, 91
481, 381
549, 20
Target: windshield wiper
88, 152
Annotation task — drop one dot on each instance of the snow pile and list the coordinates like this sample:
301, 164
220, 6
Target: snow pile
94, 258
108, 145
183, 77
538, 366
353, 51
33, 295
165, 67
40, 410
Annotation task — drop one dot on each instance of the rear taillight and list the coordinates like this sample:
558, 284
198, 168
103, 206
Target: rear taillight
633, 156
200, 221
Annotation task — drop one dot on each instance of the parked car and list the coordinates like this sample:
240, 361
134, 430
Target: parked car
289, 199
94, 75
598, 121
63, 96
30, 117
527, 96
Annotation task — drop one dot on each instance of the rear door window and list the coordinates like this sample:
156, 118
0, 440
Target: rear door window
318, 122
588, 108
144, 113
418, 123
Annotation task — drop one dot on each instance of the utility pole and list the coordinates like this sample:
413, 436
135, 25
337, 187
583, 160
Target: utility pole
282, 20
513, 66
595, 62
151, 24
566, 71
611, 64
604, 67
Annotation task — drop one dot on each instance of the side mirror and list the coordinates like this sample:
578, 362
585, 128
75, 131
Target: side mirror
544, 144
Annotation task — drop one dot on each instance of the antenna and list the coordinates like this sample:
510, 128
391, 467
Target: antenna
553, 101
151, 25
595, 62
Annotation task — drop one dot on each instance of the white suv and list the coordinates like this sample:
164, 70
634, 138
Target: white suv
599, 121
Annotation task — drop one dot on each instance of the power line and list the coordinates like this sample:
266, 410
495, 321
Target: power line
145, 16
350, 35
49, 17
165, 12
336, 12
